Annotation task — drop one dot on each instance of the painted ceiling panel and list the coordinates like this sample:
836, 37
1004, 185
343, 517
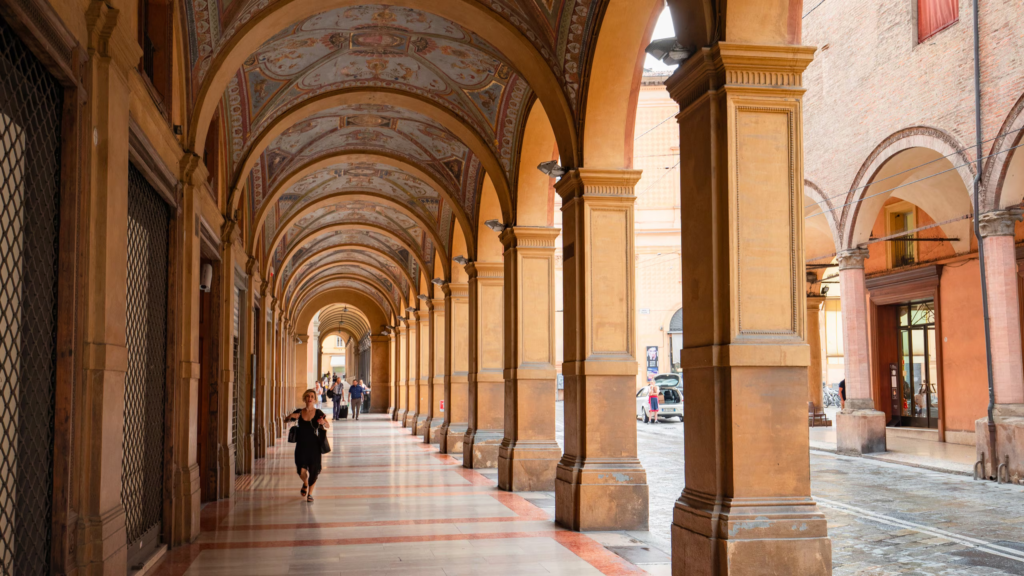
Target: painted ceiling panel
353, 239
350, 256
356, 285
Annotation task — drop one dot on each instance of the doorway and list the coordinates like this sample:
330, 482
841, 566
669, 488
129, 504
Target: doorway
918, 371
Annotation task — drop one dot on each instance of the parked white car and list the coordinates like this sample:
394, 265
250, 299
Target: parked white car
671, 401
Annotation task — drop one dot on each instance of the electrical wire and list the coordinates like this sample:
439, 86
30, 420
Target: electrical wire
911, 169
812, 9
655, 126
852, 202
668, 169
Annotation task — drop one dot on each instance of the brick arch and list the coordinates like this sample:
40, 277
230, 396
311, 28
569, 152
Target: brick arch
915, 137
822, 204
999, 161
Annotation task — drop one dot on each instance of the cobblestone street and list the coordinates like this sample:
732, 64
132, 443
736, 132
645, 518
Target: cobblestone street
883, 518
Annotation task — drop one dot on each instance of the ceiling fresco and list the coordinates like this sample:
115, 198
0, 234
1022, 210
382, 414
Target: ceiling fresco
353, 270
356, 285
356, 212
353, 239
370, 259
376, 46
369, 128
395, 184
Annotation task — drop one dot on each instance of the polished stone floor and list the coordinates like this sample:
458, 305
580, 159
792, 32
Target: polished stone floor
388, 504
384, 504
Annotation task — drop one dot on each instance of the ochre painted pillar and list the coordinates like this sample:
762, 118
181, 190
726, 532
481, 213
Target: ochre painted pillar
860, 428
413, 376
426, 367
747, 506
440, 353
456, 391
529, 454
1004, 332
393, 363
486, 365
380, 373
403, 382
814, 342
244, 387
599, 484
262, 426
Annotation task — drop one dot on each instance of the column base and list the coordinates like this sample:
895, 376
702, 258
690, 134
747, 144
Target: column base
417, 426
226, 471
185, 505
601, 494
769, 536
432, 431
1009, 424
244, 456
860, 431
480, 448
528, 465
400, 416
102, 542
408, 419
452, 436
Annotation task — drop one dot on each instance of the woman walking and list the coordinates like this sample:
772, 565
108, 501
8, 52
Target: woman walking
654, 408
307, 444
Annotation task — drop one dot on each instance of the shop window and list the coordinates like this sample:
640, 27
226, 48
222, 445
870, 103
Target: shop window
902, 250
155, 37
934, 16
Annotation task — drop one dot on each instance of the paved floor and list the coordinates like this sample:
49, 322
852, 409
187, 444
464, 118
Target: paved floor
384, 504
388, 504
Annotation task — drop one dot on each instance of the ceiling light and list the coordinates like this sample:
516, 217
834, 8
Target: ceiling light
461, 260
438, 282
811, 277
390, 327
669, 51
423, 297
410, 309
495, 225
551, 168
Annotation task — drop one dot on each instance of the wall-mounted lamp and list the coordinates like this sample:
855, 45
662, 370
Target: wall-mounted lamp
460, 260
551, 168
824, 289
410, 309
495, 225
438, 282
205, 277
668, 50
422, 297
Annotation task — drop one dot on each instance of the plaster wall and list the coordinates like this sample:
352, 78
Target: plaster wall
963, 349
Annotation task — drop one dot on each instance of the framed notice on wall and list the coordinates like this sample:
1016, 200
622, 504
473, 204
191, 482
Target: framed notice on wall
652, 362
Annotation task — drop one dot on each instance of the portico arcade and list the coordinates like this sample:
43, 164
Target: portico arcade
369, 170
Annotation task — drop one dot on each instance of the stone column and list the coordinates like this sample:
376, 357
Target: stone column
529, 453
426, 368
456, 391
486, 365
599, 484
262, 427
244, 386
1004, 334
440, 352
814, 342
413, 374
380, 373
860, 428
403, 382
747, 506
393, 365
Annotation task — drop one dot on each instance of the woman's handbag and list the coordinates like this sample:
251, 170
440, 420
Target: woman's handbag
325, 446
330, 394
293, 434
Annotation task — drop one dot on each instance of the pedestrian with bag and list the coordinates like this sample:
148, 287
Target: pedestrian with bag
654, 406
338, 392
355, 394
310, 438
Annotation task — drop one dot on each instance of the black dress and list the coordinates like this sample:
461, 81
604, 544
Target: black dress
307, 448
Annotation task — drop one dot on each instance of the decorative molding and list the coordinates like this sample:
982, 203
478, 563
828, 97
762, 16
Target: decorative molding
612, 183
529, 237
209, 243
999, 222
145, 157
482, 270
104, 40
42, 30
902, 286
852, 258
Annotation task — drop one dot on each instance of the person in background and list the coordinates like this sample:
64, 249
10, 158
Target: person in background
355, 394
654, 408
339, 396
842, 394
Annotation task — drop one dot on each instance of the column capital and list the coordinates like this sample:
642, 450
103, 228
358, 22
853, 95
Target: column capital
852, 258
423, 314
446, 288
459, 290
814, 302
598, 182
485, 270
529, 237
999, 222
303, 338
729, 65
437, 304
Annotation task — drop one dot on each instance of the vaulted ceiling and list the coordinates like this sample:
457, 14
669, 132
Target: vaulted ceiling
359, 135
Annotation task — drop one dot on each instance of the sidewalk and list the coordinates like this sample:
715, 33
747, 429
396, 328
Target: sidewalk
937, 456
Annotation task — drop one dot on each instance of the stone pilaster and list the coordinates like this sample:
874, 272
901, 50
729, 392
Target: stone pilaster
426, 374
744, 354
227, 385
456, 391
529, 454
380, 374
486, 365
997, 232
412, 375
599, 483
403, 374
262, 426
860, 428
440, 353
814, 342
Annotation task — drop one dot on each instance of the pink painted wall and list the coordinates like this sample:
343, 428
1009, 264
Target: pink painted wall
964, 374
